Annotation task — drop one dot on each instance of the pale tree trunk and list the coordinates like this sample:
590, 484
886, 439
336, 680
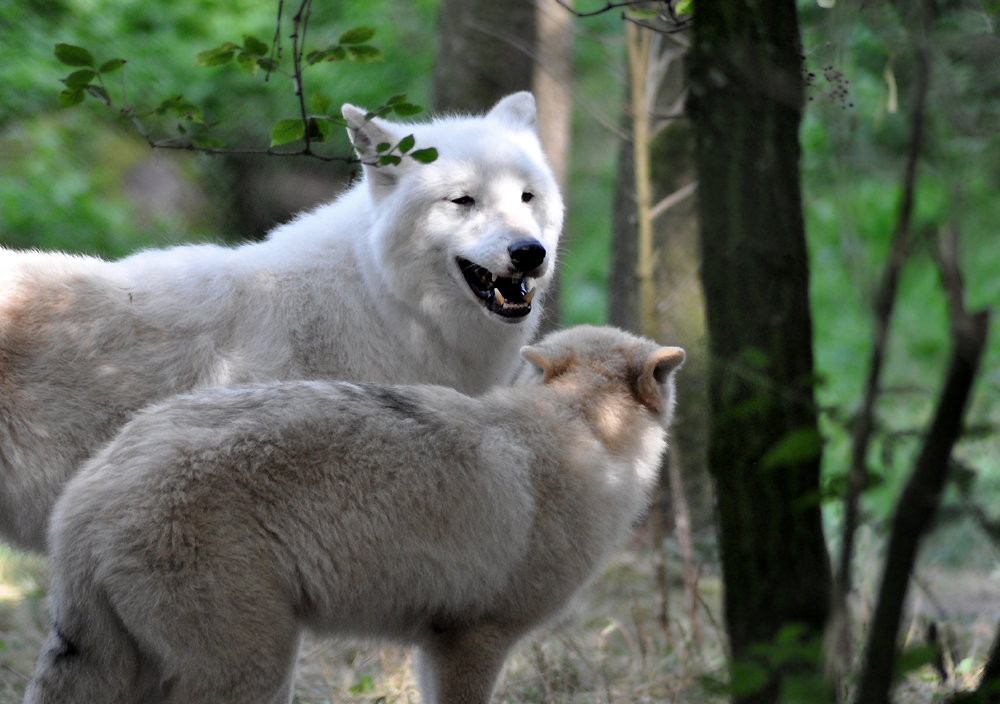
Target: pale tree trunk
552, 86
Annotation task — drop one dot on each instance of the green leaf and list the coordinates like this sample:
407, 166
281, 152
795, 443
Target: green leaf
189, 111
684, 7
382, 147
268, 65
358, 35
406, 144
797, 446
916, 657
747, 678
180, 128
74, 55
388, 159
406, 109
254, 46
246, 62
99, 93
337, 53
287, 131
218, 56
204, 141
70, 97
425, 156
320, 128
78, 79
320, 103
111, 66
396, 99
364, 54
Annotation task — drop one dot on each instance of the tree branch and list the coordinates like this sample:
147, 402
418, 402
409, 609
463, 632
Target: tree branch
884, 303
921, 496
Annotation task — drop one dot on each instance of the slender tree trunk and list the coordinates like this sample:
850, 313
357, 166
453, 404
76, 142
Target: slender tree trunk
485, 51
745, 78
552, 86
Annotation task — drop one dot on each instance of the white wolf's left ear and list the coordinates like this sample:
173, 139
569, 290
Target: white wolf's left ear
366, 135
517, 110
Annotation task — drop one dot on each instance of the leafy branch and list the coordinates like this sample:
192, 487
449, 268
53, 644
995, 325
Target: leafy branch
314, 125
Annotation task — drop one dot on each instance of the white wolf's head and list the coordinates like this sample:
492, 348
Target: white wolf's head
478, 228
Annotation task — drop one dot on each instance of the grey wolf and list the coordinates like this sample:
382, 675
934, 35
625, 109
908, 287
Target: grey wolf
190, 554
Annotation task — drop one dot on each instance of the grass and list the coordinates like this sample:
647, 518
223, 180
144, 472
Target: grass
608, 648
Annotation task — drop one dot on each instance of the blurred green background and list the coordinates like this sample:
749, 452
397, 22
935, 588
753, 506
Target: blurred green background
80, 180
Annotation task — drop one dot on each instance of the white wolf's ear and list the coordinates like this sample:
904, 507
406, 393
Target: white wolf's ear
517, 110
366, 135
653, 381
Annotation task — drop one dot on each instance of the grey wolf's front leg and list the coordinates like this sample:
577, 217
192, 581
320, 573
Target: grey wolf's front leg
461, 666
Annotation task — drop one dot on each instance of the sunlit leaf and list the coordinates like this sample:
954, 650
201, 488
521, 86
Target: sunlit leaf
287, 131
111, 66
74, 55
684, 7
425, 156
358, 35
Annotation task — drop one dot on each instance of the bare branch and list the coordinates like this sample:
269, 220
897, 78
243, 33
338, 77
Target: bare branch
884, 304
672, 200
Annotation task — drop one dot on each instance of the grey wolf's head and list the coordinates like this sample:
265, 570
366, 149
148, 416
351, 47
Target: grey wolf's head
594, 359
478, 228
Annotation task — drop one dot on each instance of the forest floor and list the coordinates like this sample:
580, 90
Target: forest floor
609, 648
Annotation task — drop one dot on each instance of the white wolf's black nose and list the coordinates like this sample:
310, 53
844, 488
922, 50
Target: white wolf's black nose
527, 254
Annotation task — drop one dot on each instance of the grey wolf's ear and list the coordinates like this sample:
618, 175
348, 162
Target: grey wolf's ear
549, 364
654, 375
366, 135
517, 110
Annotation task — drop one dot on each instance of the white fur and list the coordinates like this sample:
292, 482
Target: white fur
365, 288
190, 553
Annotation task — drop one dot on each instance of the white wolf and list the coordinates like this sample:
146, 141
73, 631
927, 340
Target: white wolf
190, 553
419, 274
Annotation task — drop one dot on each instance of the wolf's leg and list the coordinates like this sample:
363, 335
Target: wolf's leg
101, 665
462, 666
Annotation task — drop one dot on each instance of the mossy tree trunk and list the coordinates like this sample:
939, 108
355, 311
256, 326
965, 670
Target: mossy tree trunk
745, 78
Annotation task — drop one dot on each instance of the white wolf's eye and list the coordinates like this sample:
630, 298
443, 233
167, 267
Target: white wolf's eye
465, 200
526, 196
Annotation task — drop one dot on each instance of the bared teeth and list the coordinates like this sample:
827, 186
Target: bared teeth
494, 278
498, 296
529, 295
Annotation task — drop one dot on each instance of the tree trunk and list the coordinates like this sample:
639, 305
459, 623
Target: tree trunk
745, 78
552, 86
484, 52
